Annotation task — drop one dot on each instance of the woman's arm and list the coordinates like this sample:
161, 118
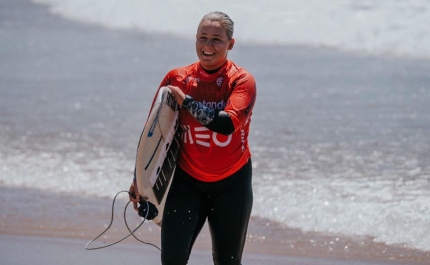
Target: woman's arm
217, 121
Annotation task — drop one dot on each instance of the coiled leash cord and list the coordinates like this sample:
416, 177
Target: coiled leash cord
145, 217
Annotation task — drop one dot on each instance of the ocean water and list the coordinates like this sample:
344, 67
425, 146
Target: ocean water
384, 27
343, 147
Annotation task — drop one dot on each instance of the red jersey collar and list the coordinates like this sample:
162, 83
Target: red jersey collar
205, 75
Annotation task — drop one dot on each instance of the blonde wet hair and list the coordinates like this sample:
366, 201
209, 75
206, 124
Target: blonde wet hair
223, 19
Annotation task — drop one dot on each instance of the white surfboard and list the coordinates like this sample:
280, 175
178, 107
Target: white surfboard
157, 151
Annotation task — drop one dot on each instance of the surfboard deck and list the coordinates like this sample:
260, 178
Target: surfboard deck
157, 151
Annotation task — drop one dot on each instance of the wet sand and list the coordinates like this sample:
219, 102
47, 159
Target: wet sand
53, 227
66, 223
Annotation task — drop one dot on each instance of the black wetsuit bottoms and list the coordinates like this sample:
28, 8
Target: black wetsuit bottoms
226, 204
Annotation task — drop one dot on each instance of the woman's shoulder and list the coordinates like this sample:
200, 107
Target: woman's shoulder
235, 70
182, 71
236, 73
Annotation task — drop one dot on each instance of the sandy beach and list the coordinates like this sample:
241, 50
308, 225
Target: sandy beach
52, 227
61, 225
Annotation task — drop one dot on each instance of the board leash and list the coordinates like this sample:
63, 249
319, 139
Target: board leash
126, 224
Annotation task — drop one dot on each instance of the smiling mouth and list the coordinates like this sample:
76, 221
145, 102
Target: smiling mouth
208, 53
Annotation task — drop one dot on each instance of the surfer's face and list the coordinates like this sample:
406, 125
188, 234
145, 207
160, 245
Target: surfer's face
212, 44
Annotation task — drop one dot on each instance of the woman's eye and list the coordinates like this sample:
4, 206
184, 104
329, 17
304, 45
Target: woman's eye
206, 39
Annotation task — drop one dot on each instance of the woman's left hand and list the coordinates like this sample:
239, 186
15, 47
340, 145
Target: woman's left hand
177, 93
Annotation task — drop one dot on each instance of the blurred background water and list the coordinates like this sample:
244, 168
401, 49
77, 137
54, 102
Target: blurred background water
340, 132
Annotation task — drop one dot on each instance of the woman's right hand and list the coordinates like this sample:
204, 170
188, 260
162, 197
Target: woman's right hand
177, 93
136, 199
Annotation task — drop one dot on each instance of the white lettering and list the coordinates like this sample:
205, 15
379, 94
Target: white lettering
186, 134
214, 105
203, 136
222, 144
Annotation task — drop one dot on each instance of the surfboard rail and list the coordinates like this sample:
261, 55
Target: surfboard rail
157, 150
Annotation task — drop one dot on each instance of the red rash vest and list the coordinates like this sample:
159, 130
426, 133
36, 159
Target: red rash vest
206, 155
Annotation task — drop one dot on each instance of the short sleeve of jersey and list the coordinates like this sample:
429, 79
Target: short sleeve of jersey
176, 77
167, 80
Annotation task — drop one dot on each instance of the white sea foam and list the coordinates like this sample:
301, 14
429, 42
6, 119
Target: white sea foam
382, 27
318, 187
290, 186
353, 200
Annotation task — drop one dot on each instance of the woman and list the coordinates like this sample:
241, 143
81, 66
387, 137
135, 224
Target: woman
213, 177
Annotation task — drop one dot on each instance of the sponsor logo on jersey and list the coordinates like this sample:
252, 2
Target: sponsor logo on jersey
189, 78
214, 105
219, 81
204, 137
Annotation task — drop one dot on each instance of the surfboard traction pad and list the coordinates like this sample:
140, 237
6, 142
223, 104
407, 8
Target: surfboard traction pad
166, 171
156, 164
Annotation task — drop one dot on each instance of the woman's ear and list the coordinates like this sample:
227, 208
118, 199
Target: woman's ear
231, 44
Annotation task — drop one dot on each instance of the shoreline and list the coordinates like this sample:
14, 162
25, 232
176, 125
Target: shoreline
55, 61
69, 217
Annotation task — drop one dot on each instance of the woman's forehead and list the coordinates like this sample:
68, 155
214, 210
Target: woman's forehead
211, 27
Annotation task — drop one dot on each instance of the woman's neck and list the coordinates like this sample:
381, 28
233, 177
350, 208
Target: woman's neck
214, 70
